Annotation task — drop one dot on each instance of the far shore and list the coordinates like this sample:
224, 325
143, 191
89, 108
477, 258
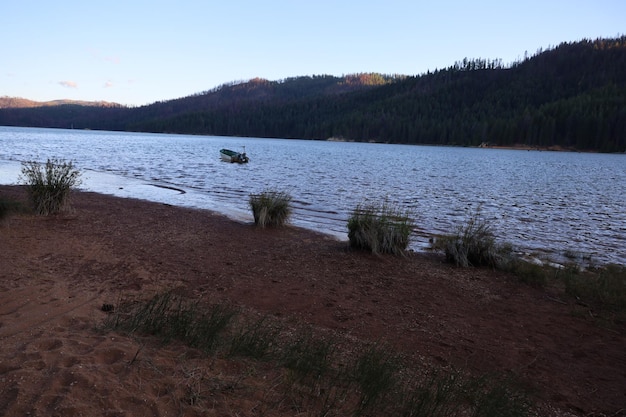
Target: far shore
516, 147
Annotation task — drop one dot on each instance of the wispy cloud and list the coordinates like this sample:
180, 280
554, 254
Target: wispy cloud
108, 84
68, 84
113, 59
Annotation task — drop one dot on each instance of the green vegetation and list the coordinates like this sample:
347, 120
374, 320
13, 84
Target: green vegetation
474, 244
49, 185
173, 318
379, 229
270, 208
308, 356
376, 375
253, 339
600, 289
321, 375
4, 209
9, 206
535, 275
436, 394
570, 96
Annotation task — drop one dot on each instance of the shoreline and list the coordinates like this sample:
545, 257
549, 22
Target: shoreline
421, 242
121, 187
56, 272
541, 217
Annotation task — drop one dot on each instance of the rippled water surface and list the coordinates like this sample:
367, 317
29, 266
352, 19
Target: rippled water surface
546, 202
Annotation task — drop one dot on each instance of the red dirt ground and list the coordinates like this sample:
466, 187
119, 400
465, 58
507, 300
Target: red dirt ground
56, 273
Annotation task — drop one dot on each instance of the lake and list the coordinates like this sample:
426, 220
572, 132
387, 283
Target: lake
547, 204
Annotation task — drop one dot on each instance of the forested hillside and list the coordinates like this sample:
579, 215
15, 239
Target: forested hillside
572, 96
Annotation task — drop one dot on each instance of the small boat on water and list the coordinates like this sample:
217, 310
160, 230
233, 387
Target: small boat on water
231, 156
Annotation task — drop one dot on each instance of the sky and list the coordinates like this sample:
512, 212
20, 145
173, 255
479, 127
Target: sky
137, 52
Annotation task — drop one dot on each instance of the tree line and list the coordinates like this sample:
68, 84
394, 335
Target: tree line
572, 96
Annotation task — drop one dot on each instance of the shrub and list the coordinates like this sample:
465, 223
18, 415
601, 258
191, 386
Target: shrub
474, 245
270, 208
379, 229
49, 185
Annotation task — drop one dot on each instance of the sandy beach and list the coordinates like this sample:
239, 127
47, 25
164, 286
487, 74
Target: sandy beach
57, 272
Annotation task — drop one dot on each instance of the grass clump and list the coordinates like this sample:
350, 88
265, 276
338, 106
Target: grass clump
9, 206
270, 208
603, 288
531, 273
308, 356
474, 244
492, 396
311, 374
49, 184
170, 317
253, 339
600, 290
379, 229
434, 395
5, 208
450, 393
376, 376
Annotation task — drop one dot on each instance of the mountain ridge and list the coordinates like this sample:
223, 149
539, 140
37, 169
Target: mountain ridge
572, 96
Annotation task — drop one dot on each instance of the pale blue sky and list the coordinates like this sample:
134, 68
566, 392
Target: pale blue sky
137, 52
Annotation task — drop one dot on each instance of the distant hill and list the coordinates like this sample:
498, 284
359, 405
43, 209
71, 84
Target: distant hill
20, 103
572, 96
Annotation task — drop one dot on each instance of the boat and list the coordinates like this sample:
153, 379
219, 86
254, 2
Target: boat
231, 156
